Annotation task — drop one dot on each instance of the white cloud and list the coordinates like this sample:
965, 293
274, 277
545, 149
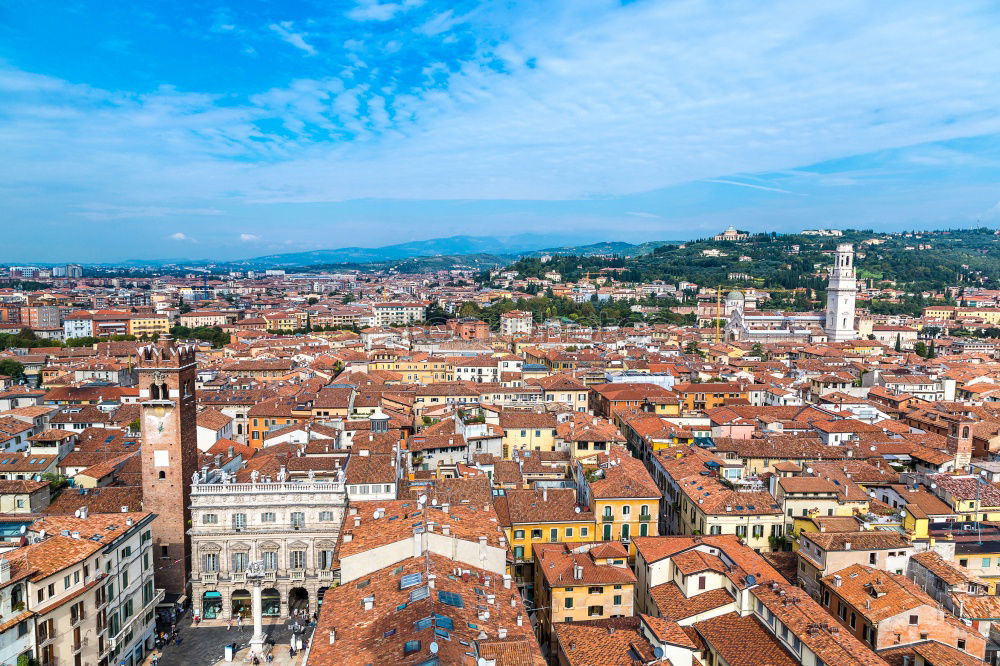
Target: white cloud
180, 236
615, 100
94, 211
723, 181
286, 30
373, 10
249, 238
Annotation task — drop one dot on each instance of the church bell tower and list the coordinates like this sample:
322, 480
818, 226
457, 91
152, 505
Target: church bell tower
169, 454
841, 294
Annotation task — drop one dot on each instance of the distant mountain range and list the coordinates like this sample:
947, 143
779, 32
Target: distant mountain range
503, 248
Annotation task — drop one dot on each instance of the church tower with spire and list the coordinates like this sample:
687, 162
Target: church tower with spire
169, 454
841, 294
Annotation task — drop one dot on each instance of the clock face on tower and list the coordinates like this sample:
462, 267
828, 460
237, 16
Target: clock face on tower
156, 419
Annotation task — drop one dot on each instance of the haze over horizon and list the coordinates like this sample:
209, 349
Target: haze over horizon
231, 131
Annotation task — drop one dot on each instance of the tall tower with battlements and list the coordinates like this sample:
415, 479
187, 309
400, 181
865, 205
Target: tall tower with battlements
169, 454
841, 294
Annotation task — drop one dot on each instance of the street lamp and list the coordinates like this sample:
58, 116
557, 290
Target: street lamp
255, 575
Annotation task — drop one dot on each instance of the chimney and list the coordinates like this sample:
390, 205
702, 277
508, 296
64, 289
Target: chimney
348, 537
333, 637
847, 545
545, 494
837, 580
231, 451
446, 530
501, 633
506, 581
520, 621
369, 603
577, 572
84, 511
76, 535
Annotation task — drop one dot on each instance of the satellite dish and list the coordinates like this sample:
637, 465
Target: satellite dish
902, 513
577, 509
809, 470
434, 647
658, 652
24, 528
933, 486
751, 579
422, 500
481, 661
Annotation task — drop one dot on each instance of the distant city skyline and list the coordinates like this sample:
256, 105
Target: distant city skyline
226, 132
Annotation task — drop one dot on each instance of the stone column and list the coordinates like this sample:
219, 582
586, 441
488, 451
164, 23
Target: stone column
257, 642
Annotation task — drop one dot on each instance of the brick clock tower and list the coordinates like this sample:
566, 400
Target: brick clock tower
169, 455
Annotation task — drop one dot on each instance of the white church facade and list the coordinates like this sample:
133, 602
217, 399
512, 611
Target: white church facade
837, 324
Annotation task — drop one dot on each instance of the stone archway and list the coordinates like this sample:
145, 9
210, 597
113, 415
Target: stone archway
211, 605
298, 601
242, 604
270, 602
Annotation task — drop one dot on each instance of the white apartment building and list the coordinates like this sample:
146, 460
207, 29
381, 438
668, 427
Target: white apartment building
399, 312
516, 322
90, 588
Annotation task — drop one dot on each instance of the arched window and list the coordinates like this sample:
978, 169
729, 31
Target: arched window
163, 475
164, 391
965, 432
154, 392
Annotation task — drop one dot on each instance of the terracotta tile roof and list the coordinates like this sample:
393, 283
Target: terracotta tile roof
475, 490
622, 476
566, 565
213, 419
380, 635
857, 541
976, 606
877, 594
673, 605
806, 619
370, 469
931, 652
109, 499
949, 572
530, 506
614, 641
56, 552
742, 641
467, 522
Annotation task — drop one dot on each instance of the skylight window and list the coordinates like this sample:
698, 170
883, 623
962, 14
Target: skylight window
410, 580
450, 599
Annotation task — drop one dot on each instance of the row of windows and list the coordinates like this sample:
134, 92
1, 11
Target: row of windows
240, 561
553, 533
617, 601
626, 510
239, 520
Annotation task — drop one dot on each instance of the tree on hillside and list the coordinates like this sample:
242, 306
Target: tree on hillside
12, 369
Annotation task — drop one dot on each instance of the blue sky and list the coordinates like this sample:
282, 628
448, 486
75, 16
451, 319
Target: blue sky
221, 130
